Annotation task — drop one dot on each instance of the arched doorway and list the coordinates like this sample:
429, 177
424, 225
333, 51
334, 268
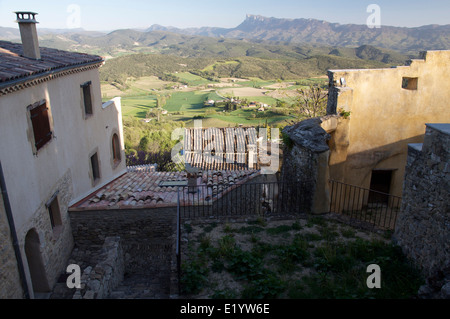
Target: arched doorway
35, 263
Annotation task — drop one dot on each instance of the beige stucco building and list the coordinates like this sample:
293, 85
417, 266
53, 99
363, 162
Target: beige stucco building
58, 143
387, 109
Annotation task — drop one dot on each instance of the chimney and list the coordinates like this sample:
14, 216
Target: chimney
27, 25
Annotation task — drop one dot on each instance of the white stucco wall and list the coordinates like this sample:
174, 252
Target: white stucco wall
31, 179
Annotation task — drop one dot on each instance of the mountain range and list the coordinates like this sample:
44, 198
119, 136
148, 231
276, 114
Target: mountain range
288, 31
254, 29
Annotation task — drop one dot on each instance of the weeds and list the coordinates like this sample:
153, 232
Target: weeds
330, 262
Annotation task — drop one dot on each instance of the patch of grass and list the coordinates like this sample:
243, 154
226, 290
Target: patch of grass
327, 268
269, 287
288, 256
259, 221
210, 227
348, 233
194, 276
249, 230
225, 294
187, 228
312, 237
278, 230
316, 220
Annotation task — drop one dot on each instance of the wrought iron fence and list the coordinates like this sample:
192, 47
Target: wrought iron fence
250, 199
376, 208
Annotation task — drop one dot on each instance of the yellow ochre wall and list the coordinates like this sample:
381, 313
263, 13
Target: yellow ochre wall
384, 117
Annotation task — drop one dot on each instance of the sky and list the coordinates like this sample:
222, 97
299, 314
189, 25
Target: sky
107, 15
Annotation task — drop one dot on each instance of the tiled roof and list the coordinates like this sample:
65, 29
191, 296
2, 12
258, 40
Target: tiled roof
140, 189
232, 148
14, 67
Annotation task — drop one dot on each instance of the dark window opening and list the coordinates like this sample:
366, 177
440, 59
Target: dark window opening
410, 83
39, 114
380, 186
87, 98
116, 148
54, 211
95, 167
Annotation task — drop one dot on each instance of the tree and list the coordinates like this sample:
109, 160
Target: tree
312, 102
143, 143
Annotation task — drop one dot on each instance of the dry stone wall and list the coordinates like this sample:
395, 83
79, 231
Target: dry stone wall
99, 280
423, 226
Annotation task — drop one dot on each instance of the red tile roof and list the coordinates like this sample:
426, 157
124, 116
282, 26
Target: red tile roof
14, 67
140, 189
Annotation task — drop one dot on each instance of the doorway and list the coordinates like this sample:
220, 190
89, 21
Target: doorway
35, 263
380, 186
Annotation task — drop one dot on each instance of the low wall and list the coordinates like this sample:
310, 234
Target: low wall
99, 280
147, 237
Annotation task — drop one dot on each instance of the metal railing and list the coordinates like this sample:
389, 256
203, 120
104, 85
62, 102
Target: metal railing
250, 199
376, 208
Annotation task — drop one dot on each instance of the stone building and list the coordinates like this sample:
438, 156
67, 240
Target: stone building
372, 116
59, 142
385, 110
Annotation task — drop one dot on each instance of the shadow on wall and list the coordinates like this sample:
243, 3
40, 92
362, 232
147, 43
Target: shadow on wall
365, 169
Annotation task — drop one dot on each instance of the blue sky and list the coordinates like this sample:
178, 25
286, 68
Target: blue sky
119, 14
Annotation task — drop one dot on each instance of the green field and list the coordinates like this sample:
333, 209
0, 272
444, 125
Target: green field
192, 79
186, 101
137, 106
186, 106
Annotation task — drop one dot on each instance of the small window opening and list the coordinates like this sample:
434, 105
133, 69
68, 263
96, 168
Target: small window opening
54, 211
116, 148
87, 98
410, 83
95, 167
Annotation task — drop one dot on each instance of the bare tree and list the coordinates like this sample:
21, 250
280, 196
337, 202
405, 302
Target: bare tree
311, 102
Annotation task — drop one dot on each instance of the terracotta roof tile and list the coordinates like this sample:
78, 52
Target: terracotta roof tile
140, 189
14, 66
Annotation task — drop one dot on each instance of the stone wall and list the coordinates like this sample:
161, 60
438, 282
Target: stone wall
148, 237
56, 243
423, 226
99, 280
10, 287
305, 163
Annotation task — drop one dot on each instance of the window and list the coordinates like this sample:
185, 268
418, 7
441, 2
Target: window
95, 167
87, 99
116, 148
54, 211
39, 114
410, 83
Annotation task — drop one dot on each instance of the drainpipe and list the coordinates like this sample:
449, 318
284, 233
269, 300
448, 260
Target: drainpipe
12, 228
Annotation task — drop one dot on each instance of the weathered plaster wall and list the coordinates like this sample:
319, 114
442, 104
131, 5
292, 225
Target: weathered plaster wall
385, 117
63, 164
